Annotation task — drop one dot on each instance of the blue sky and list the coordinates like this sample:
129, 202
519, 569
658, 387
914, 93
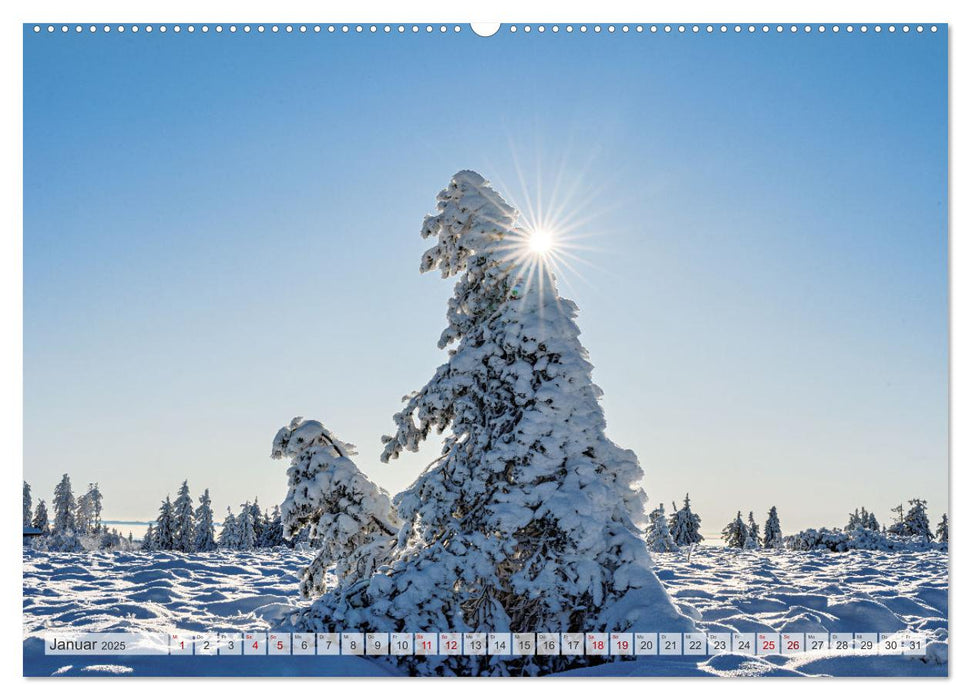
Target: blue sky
221, 232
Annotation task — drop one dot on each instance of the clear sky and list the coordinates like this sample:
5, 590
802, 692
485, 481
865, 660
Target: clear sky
222, 232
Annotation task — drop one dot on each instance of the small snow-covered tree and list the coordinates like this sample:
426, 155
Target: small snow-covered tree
273, 529
772, 539
83, 513
165, 526
64, 506
204, 539
245, 535
871, 522
753, 539
854, 521
685, 525
659, 537
735, 533
95, 501
183, 516
897, 527
148, 542
941, 534
916, 523
259, 522
229, 535
40, 518
28, 506
529, 519
351, 519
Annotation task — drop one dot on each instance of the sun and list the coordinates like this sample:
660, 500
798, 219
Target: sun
541, 241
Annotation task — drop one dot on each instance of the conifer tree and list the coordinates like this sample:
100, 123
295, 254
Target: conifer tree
659, 537
205, 532
246, 537
96, 505
229, 535
183, 516
148, 542
916, 523
64, 507
40, 518
28, 506
165, 526
941, 534
753, 540
529, 517
773, 531
685, 526
735, 534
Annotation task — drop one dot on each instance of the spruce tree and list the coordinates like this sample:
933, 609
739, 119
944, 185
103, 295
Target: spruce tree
40, 518
28, 506
205, 532
735, 534
245, 535
659, 537
64, 506
529, 519
941, 534
772, 539
148, 542
916, 523
95, 501
228, 536
753, 539
183, 531
685, 526
165, 526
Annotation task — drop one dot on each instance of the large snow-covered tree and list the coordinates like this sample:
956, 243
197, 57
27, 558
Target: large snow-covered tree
40, 518
772, 539
529, 519
28, 506
165, 526
659, 537
735, 534
64, 506
183, 517
685, 526
204, 539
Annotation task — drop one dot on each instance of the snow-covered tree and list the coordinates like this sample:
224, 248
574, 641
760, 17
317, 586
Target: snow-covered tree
529, 518
229, 535
183, 516
64, 506
659, 537
753, 539
854, 521
28, 506
735, 533
245, 535
941, 534
204, 539
772, 539
259, 521
95, 501
351, 520
273, 529
148, 542
871, 522
40, 518
83, 514
685, 526
897, 526
165, 526
916, 523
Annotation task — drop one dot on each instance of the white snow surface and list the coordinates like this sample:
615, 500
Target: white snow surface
721, 589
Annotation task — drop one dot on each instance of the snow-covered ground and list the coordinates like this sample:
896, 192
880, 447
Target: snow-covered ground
723, 590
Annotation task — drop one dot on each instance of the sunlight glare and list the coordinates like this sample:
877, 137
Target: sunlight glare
541, 241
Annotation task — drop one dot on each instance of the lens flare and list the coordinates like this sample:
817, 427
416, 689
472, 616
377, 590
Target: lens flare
541, 241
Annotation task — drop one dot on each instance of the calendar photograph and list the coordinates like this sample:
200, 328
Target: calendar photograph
513, 350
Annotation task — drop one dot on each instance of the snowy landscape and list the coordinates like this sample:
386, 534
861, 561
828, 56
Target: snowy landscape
530, 519
720, 588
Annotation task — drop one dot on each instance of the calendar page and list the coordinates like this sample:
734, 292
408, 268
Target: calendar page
518, 349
